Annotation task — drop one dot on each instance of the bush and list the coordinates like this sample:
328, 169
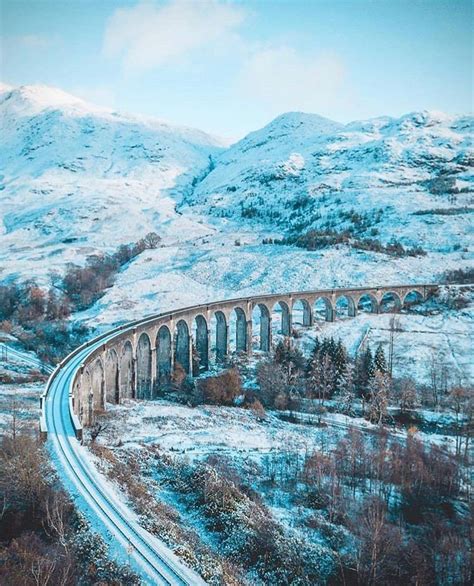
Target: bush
222, 389
459, 276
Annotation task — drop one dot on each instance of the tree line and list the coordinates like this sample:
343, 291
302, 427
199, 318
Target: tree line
39, 316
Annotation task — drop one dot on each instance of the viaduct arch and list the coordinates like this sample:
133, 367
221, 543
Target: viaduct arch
138, 359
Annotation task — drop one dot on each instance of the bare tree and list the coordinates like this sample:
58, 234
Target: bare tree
378, 397
101, 424
394, 329
152, 240
379, 545
406, 391
57, 510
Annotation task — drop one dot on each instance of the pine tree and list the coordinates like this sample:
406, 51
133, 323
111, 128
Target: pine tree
365, 372
322, 377
340, 358
369, 366
380, 364
345, 388
314, 353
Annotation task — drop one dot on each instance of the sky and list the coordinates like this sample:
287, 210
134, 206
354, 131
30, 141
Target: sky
231, 66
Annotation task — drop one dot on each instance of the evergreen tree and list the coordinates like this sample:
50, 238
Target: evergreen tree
314, 352
345, 388
365, 372
290, 357
322, 377
340, 357
380, 364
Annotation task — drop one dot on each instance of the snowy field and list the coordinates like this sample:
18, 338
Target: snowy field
203, 430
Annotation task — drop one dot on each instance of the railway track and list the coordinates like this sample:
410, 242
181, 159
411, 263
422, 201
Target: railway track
150, 558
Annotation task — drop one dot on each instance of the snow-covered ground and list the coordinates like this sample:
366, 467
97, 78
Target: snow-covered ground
19, 406
206, 429
445, 338
78, 179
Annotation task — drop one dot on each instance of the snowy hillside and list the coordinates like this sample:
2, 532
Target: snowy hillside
75, 178
78, 179
408, 178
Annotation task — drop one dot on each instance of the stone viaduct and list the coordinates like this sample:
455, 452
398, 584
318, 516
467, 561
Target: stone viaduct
138, 362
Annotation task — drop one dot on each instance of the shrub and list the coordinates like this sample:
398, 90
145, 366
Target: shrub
221, 389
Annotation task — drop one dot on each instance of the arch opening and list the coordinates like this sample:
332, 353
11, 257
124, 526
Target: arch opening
112, 377
323, 309
237, 331
390, 302
221, 336
87, 405
367, 303
144, 367
182, 345
281, 319
201, 336
301, 315
261, 323
345, 307
98, 385
126, 374
163, 357
412, 298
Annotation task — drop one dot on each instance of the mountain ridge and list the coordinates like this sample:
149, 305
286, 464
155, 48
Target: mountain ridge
82, 184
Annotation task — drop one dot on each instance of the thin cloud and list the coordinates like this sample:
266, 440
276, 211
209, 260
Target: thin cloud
285, 80
14, 42
147, 36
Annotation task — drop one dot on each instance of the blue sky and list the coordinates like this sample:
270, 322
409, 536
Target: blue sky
231, 66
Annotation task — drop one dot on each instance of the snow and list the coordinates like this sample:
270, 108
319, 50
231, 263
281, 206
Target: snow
78, 179
443, 337
205, 429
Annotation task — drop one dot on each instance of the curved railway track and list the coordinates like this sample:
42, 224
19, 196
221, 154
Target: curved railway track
149, 557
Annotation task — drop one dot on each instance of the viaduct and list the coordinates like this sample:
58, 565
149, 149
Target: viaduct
137, 360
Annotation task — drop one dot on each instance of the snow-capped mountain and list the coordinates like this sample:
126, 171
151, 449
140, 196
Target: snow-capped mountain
302, 171
76, 177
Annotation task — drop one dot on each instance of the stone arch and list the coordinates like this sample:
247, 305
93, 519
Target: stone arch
323, 306
98, 385
368, 303
283, 316
86, 413
77, 397
412, 297
112, 377
238, 330
221, 336
201, 337
144, 367
344, 306
181, 354
126, 371
261, 315
390, 302
301, 314
163, 356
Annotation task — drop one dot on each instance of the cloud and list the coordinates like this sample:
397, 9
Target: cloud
284, 79
11, 43
100, 95
148, 36
34, 41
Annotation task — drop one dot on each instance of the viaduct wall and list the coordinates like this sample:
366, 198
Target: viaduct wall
138, 361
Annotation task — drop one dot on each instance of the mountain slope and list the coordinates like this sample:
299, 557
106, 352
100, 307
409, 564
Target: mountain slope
76, 177
372, 177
